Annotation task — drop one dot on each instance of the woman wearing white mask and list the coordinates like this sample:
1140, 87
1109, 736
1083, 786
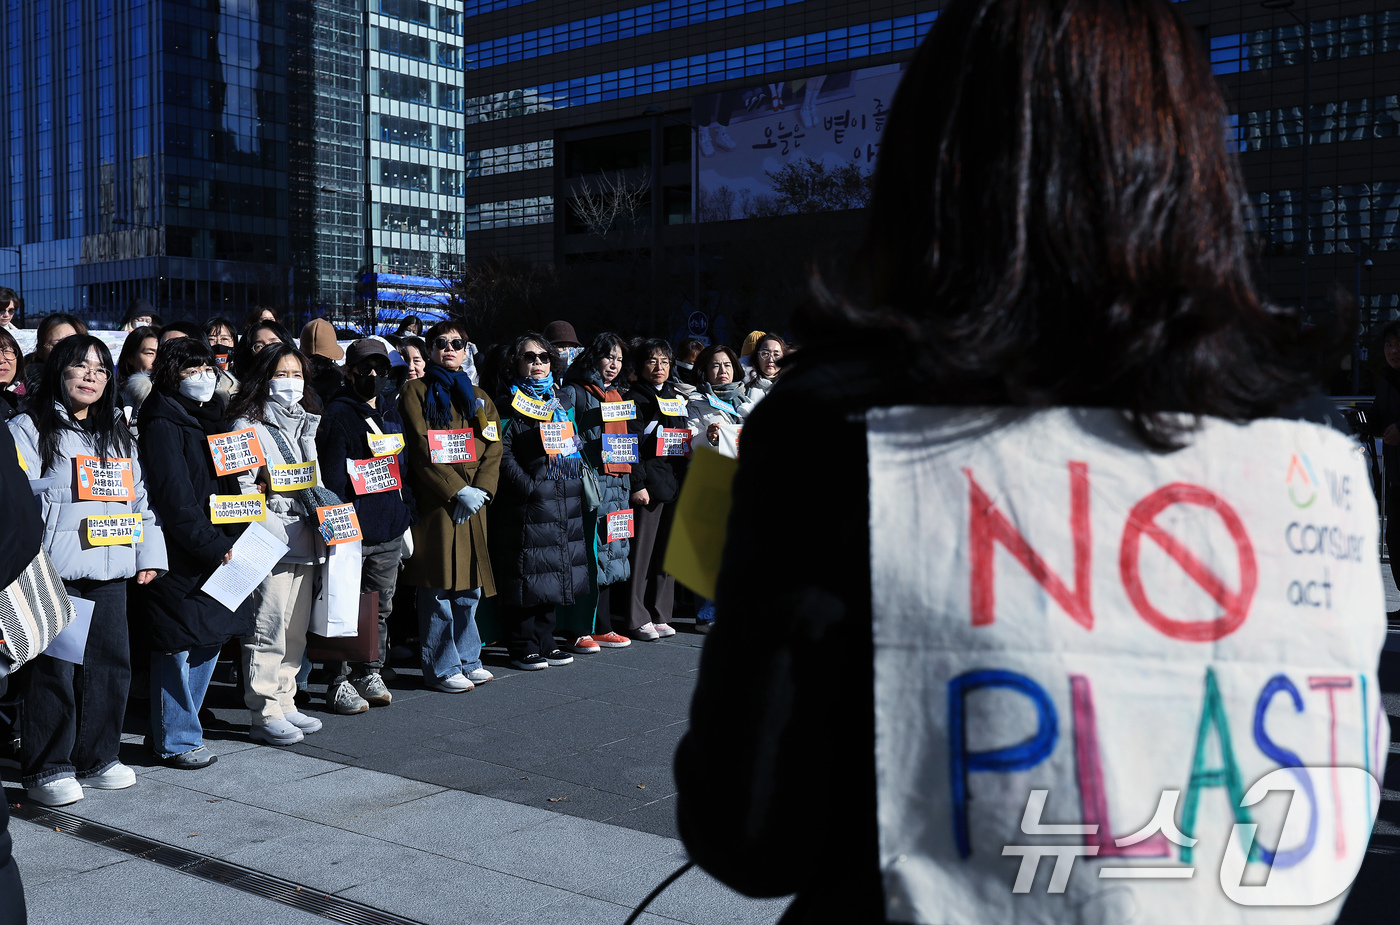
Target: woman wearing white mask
269, 400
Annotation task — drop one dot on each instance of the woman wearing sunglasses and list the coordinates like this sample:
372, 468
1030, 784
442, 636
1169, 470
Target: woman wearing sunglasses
99, 532
539, 538
453, 452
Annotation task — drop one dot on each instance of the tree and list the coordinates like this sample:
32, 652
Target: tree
499, 296
810, 186
612, 206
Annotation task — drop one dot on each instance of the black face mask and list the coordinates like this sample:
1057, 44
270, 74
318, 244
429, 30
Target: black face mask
365, 386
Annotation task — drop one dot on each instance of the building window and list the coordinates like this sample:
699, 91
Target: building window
449, 97
483, 216
405, 132
530, 155
818, 48
401, 43
1339, 218
449, 139
1348, 120
405, 88
403, 175
449, 182
1345, 37
449, 56
408, 10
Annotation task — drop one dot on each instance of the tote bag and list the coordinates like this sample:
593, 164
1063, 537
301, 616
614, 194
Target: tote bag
33, 610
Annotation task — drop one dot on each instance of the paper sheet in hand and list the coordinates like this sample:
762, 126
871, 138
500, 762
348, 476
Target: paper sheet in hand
254, 555
696, 546
69, 644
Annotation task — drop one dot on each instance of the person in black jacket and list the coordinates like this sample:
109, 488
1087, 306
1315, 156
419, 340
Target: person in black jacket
642, 607
1107, 225
538, 539
353, 431
19, 544
187, 626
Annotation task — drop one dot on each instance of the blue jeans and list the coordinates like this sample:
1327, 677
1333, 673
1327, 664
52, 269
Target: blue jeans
178, 683
447, 627
706, 612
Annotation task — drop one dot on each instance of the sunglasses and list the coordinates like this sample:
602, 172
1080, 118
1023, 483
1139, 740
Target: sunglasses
532, 357
373, 369
456, 343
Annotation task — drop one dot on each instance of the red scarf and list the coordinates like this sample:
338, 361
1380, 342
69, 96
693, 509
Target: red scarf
611, 427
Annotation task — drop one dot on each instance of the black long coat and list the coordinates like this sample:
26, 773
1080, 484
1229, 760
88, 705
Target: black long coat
539, 550
180, 478
660, 476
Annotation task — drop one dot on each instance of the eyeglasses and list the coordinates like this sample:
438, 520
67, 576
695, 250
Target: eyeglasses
456, 343
8, 353
189, 371
7, 309
533, 357
100, 373
770, 354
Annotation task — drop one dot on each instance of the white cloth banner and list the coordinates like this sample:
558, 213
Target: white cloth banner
1089, 658
336, 608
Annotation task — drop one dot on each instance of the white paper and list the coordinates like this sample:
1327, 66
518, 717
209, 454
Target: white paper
255, 553
69, 644
1059, 610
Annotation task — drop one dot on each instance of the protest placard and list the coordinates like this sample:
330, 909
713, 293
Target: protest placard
236, 451
533, 407
385, 444
1099, 635
671, 407
729, 439
293, 476
672, 441
114, 529
619, 410
620, 448
557, 437
104, 480
339, 524
372, 476
237, 509
620, 525
451, 446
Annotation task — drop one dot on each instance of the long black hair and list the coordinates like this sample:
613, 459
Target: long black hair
1057, 220
585, 365
52, 409
131, 348
244, 358
253, 393
52, 321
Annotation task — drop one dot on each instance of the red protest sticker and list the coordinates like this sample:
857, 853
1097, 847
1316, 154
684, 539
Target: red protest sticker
673, 442
104, 480
452, 446
372, 476
236, 451
620, 525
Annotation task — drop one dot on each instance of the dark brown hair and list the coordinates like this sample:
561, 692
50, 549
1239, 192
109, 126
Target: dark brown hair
1057, 220
250, 401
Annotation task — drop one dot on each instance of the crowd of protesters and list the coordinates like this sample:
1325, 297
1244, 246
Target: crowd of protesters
541, 527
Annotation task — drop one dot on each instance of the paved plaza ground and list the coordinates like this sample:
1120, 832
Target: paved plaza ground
543, 797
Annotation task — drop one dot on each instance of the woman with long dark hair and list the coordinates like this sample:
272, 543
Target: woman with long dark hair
99, 532
271, 401
11, 375
134, 364
1056, 561
52, 329
185, 626
537, 533
604, 419
260, 334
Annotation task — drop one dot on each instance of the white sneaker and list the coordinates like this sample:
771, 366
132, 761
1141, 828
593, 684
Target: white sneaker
117, 777
275, 732
646, 632
480, 676
456, 684
707, 147
722, 138
345, 700
59, 792
809, 115
307, 724
663, 629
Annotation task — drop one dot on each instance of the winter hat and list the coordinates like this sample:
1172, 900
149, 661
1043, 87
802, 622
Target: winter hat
318, 339
561, 334
751, 342
364, 348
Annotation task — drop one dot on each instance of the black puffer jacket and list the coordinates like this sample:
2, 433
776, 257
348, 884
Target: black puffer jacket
660, 476
179, 480
539, 550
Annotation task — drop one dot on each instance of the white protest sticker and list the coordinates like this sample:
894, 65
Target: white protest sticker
619, 410
293, 476
1118, 647
451, 446
492, 431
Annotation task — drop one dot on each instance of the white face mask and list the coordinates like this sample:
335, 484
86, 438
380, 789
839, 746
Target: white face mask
199, 387
287, 392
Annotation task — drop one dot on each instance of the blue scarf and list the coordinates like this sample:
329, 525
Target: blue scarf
445, 386
563, 466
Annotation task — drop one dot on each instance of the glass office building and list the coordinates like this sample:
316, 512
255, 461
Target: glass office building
147, 154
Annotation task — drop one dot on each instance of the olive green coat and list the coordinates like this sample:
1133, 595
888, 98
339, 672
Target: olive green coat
447, 555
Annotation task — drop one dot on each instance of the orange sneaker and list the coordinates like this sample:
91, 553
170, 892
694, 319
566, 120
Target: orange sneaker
584, 645
611, 640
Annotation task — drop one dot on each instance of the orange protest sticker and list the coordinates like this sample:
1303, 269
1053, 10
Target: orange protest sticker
104, 480
339, 524
236, 451
557, 436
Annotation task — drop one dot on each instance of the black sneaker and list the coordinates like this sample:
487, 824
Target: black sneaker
532, 662
558, 657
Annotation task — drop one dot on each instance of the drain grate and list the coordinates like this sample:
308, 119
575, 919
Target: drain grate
214, 870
